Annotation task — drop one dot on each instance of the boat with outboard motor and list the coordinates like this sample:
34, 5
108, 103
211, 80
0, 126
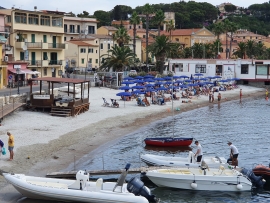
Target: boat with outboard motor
190, 160
81, 189
214, 179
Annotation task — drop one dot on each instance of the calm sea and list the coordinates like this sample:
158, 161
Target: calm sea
245, 124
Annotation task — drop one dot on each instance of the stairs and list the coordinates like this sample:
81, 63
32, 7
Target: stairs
60, 111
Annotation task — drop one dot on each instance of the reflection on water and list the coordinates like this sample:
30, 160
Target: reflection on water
245, 124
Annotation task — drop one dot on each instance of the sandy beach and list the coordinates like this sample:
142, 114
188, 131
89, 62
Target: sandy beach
44, 143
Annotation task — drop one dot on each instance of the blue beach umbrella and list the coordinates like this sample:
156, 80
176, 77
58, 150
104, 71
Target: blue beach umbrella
235, 78
159, 79
124, 94
127, 82
138, 87
149, 80
162, 88
183, 76
203, 78
138, 92
124, 88
139, 77
223, 81
188, 80
149, 76
138, 81
198, 74
167, 78
149, 85
159, 83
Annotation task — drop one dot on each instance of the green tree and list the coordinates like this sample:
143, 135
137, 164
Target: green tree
230, 8
241, 50
103, 17
121, 36
147, 10
216, 47
232, 29
226, 26
218, 29
198, 50
170, 27
161, 49
134, 20
250, 48
84, 14
158, 19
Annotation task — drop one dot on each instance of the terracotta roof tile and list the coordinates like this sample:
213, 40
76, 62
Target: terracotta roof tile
110, 28
80, 43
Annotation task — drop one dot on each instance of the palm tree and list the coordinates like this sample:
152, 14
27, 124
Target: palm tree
240, 50
118, 58
218, 29
260, 51
147, 10
134, 20
232, 29
170, 27
159, 19
250, 48
161, 49
226, 26
121, 36
216, 47
197, 50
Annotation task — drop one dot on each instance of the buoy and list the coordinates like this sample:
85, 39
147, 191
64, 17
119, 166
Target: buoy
239, 186
194, 185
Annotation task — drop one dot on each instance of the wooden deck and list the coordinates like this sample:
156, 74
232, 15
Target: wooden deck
9, 108
72, 174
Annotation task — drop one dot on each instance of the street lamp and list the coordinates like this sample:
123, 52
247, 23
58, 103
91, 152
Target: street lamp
18, 68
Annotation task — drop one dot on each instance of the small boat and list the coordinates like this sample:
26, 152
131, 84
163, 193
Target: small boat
264, 171
81, 189
213, 179
168, 141
189, 161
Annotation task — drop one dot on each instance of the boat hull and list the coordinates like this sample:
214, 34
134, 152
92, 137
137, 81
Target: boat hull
203, 182
168, 142
69, 195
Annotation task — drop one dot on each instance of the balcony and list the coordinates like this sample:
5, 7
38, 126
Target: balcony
33, 45
55, 62
72, 31
34, 63
4, 29
56, 46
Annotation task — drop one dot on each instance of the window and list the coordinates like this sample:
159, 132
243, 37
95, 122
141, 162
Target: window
177, 39
45, 38
65, 38
256, 37
82, 61
109, 46
96, 41
8, 19
20, 17
45, 20
22, 55
244, 37
250, 37
71, 29
261, 69
90, 50
33, 19
78, 28
130, 27
139, 27
102, 60
200, 69
83, 50
91, 29
144, 36
101, 46
96, 51
65, 27
244, 68
45, 71
57, 22
45, 56
90, 60
71, 37
96, 60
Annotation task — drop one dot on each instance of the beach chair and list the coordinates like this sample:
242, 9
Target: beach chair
140, 102
105, 102
114, 103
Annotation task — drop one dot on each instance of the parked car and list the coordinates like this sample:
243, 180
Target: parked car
133, 72
109, 77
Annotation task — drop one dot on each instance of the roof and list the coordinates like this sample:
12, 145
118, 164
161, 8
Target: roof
93, 20
56, 80
181, 32
119, 22
109, 28
81, 43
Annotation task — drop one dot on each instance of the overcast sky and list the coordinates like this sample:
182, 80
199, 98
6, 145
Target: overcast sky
77, 6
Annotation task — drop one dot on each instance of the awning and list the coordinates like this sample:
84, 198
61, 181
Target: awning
14, 71
23, 71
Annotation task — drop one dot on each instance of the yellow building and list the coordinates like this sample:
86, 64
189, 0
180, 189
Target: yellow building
38, 38
190, 36
106, 30
3, 68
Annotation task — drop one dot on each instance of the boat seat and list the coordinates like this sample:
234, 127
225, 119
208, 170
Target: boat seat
99, 184
175, 171
220, 170
49, 184
229, 173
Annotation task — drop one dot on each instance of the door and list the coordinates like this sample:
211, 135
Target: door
33, 58
33, 38
53, 72
53, 58
54, 41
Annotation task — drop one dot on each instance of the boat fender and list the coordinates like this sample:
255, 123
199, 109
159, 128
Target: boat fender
239, 186
194, 185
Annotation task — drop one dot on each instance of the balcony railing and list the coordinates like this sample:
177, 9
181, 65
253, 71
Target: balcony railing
4, 29
33, 44
56, 46
55, 62
35, 62
72, 31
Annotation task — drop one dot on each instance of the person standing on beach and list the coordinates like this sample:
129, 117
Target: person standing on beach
1, 146
266, 94
213, 98
219, 97
210, 96
10, 145
199, 151
241, 94
233, 155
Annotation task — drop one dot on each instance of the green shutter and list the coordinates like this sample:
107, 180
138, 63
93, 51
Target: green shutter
45, 38
22, 56
45, 56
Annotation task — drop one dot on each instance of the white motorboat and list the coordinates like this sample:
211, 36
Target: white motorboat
189, 161
213, 179
81, 189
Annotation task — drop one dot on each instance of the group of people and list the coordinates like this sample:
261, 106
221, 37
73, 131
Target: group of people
233, 153
10, 146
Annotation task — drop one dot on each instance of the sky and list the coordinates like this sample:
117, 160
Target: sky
77, 6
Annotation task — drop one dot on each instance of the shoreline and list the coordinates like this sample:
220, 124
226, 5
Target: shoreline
59, 153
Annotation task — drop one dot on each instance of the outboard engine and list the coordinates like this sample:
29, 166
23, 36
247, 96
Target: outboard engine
256, 180
136, 186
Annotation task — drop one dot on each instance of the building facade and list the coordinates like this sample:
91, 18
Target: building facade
36, 37
75, 27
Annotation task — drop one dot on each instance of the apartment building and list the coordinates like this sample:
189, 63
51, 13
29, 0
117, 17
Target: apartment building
126, 24
75, 27
106, 30
36, 37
